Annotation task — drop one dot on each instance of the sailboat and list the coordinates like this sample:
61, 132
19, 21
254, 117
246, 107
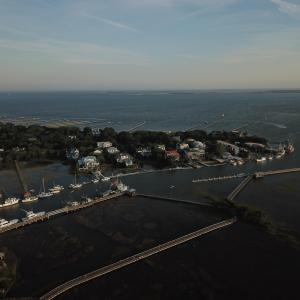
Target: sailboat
75, 185
44, 194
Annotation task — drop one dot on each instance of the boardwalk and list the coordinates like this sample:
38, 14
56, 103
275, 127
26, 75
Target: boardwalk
220, 178
132, 259
239, 188
61, 211
164, 198
276, 172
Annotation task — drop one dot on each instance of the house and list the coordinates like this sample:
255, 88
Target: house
88, 162
182, 146
98, 152
161, 147
112, 150
176, 138
104, 145
195, 154
72, 154
230, 147
198, 145
172, 154
122, 157
144, 152
128, 162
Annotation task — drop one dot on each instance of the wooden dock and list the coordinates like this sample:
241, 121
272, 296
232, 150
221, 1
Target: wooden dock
133, 259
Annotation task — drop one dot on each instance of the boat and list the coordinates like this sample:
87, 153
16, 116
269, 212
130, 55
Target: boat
31, 215
75, 185
9, 202
73, 203
119, 186
56, 189
44, 194
29, 198
105, 179
95, 180
261, 159
4, 223
270, 157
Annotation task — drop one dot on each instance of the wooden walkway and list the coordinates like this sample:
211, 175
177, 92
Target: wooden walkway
133, 259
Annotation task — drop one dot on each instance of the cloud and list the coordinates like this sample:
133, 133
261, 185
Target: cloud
287, 7
109, 22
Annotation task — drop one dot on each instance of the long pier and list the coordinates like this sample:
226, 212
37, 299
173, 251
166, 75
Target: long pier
276, 172
137, 126
133, 259
239, 188
61, 211
164, 198
241, 175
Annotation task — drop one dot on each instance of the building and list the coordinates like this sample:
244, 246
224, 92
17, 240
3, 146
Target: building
144, 152
230, 147
72, 154
88, 162
182, 146
195, 155
112, 150
161, 147
104, 145
122, 157
172, 154
198, 145
98, 152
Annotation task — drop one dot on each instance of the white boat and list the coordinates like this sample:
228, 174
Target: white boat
73, 203
31, 215
105, 179
9, 202
44, 194
56, 189
30, 199
4, 223
95, 180
75, 185
262, 159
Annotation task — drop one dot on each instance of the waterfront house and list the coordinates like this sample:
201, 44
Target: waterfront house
161, 147
182, 146
112, 150
198, 145
88, 162
104, 145
195, 154
172, 154
72, 154
144, 152
230, 147
98, 152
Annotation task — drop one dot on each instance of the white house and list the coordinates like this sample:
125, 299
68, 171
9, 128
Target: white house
104, 145
88, 162
112, 150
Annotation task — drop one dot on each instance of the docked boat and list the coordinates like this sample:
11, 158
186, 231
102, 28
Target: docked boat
44, 194
56, 189
290, 148
119, 186
4, 223
31, 215
75, 185
73, 203
105, 179
95, 180
30, 199
9, 202
261, 159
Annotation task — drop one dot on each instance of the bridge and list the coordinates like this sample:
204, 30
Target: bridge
133, 259
239, 188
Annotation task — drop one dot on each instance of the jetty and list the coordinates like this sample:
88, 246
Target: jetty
59, 290
275, 172
58, 212
240, 175
239, 188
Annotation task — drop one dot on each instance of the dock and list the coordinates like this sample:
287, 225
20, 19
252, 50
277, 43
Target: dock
239, 188
59, 212
134, 258
220, 178
276, 172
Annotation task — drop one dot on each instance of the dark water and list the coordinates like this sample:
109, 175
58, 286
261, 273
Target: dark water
238, 263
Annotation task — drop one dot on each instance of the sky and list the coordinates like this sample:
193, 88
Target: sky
149, 44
